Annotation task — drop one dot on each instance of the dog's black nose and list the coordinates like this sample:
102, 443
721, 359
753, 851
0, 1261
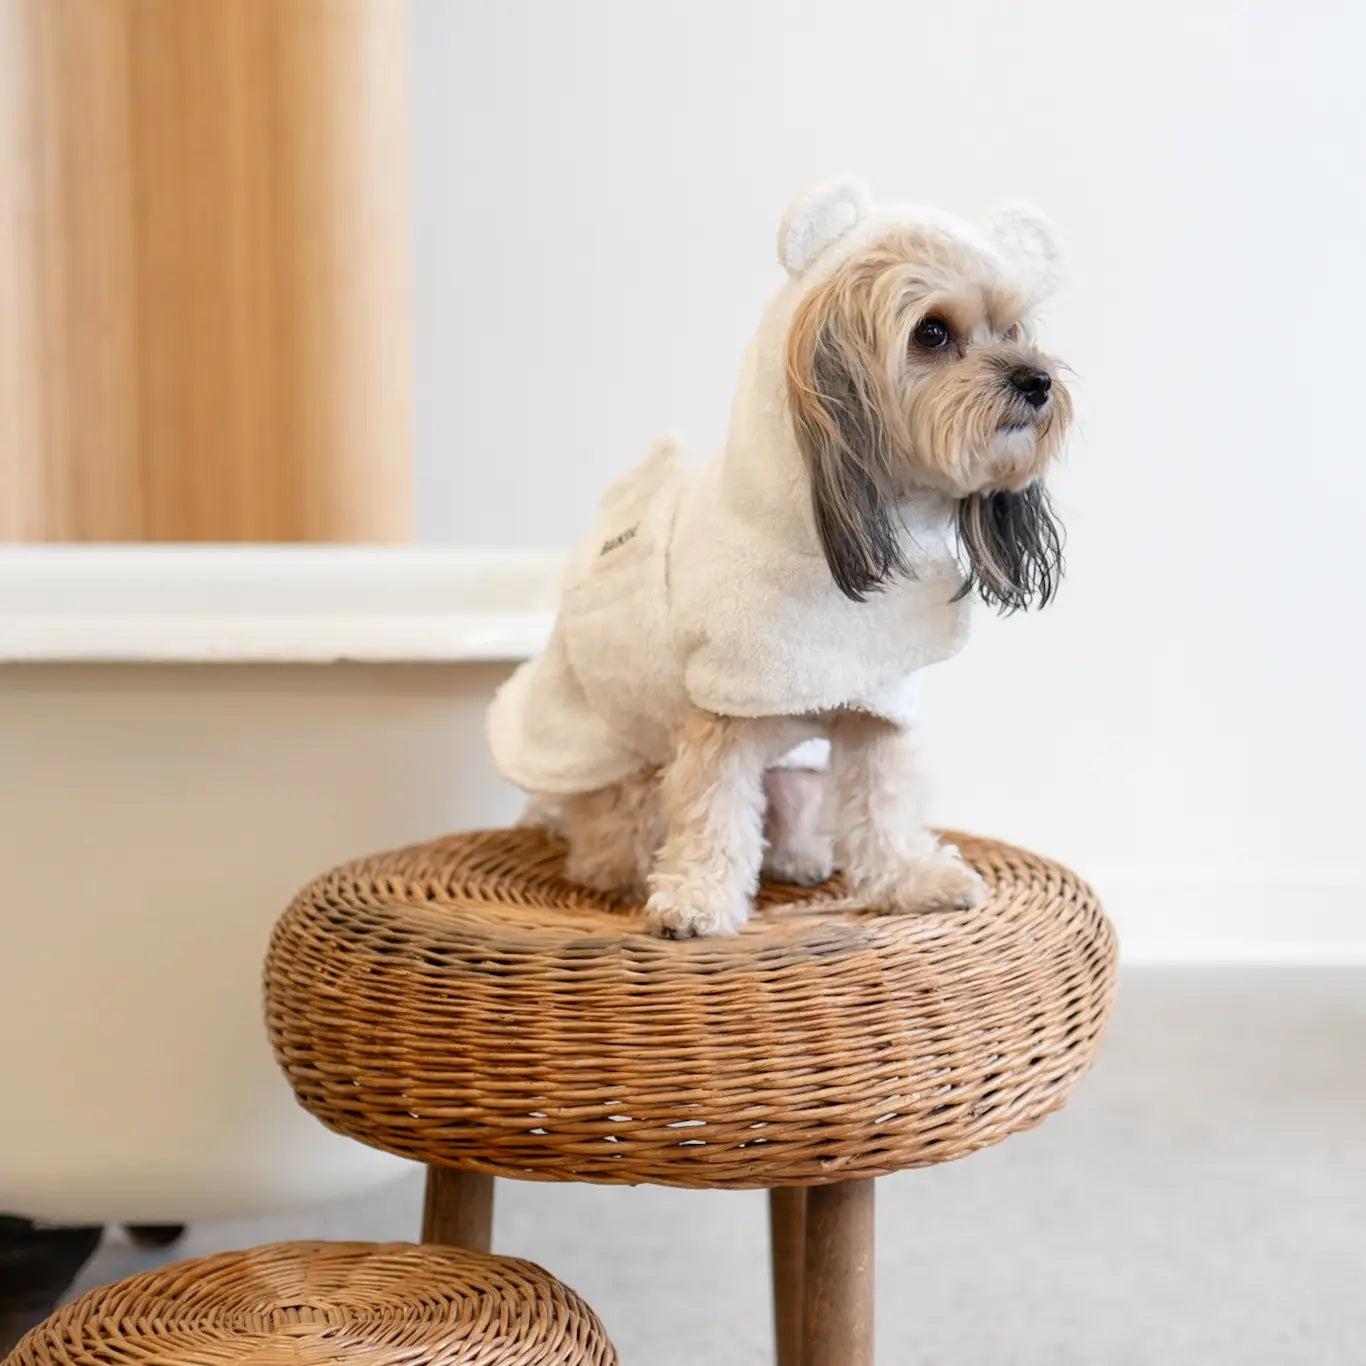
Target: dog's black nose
1033, 384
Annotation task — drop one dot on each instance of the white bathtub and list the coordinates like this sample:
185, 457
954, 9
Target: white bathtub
187, 735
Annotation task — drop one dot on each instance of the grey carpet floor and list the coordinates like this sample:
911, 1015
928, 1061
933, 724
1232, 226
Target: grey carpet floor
1201, 1202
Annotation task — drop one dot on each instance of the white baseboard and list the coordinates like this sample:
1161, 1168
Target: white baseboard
1277, 915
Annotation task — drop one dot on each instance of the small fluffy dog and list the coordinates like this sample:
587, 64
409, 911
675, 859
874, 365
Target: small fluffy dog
884, 465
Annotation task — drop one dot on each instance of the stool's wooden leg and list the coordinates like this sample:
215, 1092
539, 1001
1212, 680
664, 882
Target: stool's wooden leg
837, 1289
458, 1209
787, 1248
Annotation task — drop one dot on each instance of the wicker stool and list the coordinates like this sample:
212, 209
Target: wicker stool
461, 1003
306, 1304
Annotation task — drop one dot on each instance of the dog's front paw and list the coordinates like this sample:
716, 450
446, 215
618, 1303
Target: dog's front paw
940, 881
679, 909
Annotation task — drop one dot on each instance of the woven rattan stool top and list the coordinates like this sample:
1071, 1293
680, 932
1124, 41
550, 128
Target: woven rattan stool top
460, 1003
306, 1304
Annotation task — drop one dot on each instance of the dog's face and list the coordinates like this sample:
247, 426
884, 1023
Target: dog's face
914, 365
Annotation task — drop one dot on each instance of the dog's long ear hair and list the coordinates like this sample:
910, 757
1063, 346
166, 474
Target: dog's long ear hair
1012, 543
839, 407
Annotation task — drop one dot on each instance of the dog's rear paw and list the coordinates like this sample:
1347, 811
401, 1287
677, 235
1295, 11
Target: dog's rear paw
682, 910
800, 867
621, 886
614, 873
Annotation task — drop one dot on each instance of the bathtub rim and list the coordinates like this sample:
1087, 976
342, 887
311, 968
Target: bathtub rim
274, 604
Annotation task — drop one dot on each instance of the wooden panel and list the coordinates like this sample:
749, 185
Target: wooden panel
204, 324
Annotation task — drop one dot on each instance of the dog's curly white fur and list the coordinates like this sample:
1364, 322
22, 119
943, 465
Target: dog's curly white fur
888, 440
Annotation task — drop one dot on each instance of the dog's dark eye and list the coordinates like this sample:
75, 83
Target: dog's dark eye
1012, 333
931, 334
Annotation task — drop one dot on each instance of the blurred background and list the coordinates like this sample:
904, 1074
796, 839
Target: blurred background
597, 189
336, 316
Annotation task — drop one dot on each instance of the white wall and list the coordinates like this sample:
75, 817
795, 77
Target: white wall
598, 187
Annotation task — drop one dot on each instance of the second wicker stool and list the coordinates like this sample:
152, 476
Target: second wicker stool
326, 1304
461, 1003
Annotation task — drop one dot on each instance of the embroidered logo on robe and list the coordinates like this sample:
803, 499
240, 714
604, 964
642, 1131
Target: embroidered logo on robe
619, 540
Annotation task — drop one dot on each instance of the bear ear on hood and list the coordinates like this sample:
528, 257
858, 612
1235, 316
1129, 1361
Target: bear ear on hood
818, 217
1024, 238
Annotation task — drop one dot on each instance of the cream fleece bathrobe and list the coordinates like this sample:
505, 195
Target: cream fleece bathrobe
710, 586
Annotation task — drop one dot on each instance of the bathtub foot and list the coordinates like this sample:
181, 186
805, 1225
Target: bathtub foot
154, 1235
37, 1266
